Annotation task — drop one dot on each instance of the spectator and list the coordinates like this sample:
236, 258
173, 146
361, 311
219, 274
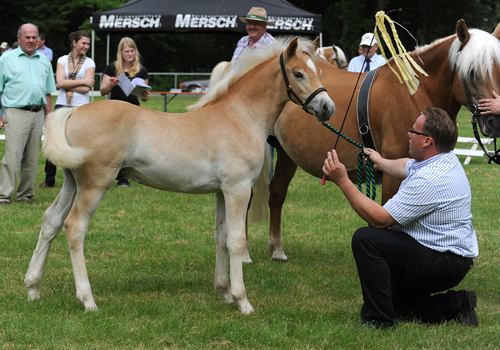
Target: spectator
44, 49
3, 47
26, 82
421, 242
368, 58
75, 77
256, 25
128, 63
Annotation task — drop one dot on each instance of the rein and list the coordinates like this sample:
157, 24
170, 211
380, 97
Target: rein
371, 189
474, 111
364, 164
290, 91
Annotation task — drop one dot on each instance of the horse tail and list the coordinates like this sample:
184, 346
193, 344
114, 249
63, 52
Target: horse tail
259, 207
218, 73
55, 145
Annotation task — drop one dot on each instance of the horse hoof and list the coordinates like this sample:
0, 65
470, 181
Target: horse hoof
246, 308
279, 256
33, 293
91, 308
226, 297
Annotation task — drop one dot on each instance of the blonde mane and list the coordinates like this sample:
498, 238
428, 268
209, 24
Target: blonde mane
247, 61
478, 57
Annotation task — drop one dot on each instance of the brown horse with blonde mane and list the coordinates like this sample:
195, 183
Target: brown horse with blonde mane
218, 148
467, 63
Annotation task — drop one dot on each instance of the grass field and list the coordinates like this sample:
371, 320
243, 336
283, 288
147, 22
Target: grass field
151, 260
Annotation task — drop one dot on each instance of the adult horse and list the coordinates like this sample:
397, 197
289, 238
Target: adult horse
216, 149
334, 55
462, 68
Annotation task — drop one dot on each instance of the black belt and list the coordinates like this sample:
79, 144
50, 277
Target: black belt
33, 109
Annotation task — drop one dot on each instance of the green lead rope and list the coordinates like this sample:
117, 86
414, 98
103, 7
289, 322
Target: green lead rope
367, 167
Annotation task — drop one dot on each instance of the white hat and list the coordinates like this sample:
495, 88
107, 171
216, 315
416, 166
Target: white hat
4, 45
256, 14
368, 39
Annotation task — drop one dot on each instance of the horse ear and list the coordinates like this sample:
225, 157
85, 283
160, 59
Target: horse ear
292, 47
462, 32
496, 33
316, 44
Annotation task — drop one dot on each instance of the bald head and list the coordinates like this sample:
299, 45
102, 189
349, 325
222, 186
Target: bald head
27, 36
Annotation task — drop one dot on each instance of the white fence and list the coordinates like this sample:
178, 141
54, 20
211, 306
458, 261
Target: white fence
472, 151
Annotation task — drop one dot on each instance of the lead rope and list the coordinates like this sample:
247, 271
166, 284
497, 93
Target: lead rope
364, 164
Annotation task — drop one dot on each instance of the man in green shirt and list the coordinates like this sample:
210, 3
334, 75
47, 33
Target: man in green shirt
26, 82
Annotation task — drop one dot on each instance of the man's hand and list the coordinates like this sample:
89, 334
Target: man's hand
334, 170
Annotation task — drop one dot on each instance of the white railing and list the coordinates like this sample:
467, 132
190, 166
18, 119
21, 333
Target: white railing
472, 151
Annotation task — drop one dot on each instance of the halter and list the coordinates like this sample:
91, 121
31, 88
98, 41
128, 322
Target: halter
290, 91
474, 111
336, 58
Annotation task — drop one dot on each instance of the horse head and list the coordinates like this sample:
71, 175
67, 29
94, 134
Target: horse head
475, 58
302, 76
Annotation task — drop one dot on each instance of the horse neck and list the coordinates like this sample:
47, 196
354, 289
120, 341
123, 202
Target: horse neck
438, 85
259, 94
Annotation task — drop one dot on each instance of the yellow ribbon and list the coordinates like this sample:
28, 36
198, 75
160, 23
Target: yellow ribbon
402, 58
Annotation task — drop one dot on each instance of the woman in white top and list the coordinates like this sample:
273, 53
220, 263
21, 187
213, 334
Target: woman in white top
75, 78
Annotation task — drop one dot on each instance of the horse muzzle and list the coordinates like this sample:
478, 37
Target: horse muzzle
321, 106
489, 125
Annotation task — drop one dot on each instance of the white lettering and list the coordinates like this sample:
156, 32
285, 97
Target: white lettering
118, 22
231, 23
106, 22
127, 22
307, 24
192, 21
287, 23
182, 22
155, 22
203, 22
130, 21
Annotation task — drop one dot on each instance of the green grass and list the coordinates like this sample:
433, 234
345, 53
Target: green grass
151, 256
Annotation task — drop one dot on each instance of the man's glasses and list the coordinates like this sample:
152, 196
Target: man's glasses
418, 133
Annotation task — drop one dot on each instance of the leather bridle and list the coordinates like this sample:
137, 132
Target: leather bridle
290, 91
474, 111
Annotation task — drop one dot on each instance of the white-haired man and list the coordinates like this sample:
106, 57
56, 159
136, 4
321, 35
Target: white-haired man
368, 58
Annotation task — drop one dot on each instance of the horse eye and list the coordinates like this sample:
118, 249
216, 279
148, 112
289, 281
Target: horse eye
298, 75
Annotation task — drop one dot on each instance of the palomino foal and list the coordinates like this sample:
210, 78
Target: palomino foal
218, 148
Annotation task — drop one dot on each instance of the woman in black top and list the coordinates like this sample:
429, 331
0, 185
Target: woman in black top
128, 63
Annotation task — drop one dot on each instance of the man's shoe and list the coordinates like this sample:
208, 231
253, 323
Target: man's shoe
123, 184
44, 185
27, 199
4, 202
467, 315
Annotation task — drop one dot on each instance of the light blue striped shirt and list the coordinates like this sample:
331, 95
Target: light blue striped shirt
24, 80
433, 205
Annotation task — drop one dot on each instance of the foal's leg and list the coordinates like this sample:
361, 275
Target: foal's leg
246, 253
283, 174
236, 206
52, 224
221, 282
76, 226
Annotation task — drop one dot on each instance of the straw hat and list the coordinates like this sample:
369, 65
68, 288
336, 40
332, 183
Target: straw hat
256, 14
4, 45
